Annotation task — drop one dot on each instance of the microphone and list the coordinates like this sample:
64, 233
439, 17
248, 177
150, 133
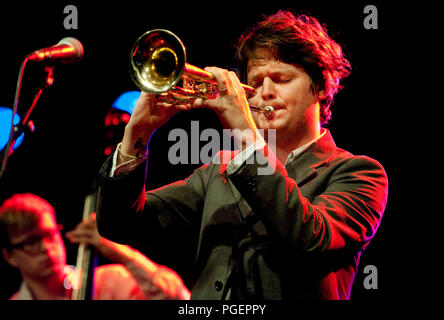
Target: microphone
69, 50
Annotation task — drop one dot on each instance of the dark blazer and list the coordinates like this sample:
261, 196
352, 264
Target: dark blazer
295, 234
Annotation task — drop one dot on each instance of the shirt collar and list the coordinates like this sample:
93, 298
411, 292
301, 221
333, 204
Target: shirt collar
298, 151
25, 293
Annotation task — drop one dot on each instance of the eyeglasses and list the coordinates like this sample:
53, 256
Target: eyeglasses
33, 243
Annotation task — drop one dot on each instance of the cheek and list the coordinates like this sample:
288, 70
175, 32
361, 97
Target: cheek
56, 251
300, 100
28, 265
254, 101
61, 252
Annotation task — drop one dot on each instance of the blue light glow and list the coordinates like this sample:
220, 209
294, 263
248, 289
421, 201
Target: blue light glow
5, 127
126, 101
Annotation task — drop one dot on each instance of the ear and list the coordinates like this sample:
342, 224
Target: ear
9, 257
321, 94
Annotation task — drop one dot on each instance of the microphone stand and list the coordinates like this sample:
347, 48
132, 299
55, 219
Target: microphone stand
26, 125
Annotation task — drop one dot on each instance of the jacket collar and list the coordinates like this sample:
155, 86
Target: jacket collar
303, 167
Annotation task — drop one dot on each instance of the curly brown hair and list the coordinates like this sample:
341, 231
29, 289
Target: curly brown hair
300, 41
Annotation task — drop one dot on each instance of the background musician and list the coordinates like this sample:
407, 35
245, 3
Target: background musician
31, 242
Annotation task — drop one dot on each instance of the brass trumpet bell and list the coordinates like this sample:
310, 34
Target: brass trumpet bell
157, 61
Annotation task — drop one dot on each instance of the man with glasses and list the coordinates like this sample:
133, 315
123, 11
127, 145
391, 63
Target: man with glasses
31, 242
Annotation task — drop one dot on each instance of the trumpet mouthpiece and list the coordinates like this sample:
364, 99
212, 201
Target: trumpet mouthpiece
269, 111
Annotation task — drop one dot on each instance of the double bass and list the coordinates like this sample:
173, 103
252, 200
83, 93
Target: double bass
86, 259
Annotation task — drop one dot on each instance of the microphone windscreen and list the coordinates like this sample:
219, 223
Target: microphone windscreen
78, 49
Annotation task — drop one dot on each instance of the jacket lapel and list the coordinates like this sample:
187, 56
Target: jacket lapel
303, 168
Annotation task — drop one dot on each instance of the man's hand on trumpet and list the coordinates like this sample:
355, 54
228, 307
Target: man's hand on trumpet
231, 106
149, 114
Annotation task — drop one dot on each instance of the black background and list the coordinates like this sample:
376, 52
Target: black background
61, 159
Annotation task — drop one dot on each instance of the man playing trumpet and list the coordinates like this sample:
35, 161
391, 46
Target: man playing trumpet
296, 232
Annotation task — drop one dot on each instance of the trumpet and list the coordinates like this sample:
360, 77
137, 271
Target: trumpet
158, 65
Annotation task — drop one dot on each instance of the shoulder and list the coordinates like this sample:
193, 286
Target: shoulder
23, 293
15, 296
111, 270
363, 174
358, 162
112, 275
115, 282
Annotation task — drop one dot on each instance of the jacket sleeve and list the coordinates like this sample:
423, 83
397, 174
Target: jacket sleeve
129, 215
343, 212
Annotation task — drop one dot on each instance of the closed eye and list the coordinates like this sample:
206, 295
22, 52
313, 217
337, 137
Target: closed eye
276, 79
255, 85
281, 79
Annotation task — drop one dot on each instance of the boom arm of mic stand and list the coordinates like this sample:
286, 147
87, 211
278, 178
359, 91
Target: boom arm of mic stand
26, 124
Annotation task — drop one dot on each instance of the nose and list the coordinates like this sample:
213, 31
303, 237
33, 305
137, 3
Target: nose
46, 246
268, 89
42, 246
